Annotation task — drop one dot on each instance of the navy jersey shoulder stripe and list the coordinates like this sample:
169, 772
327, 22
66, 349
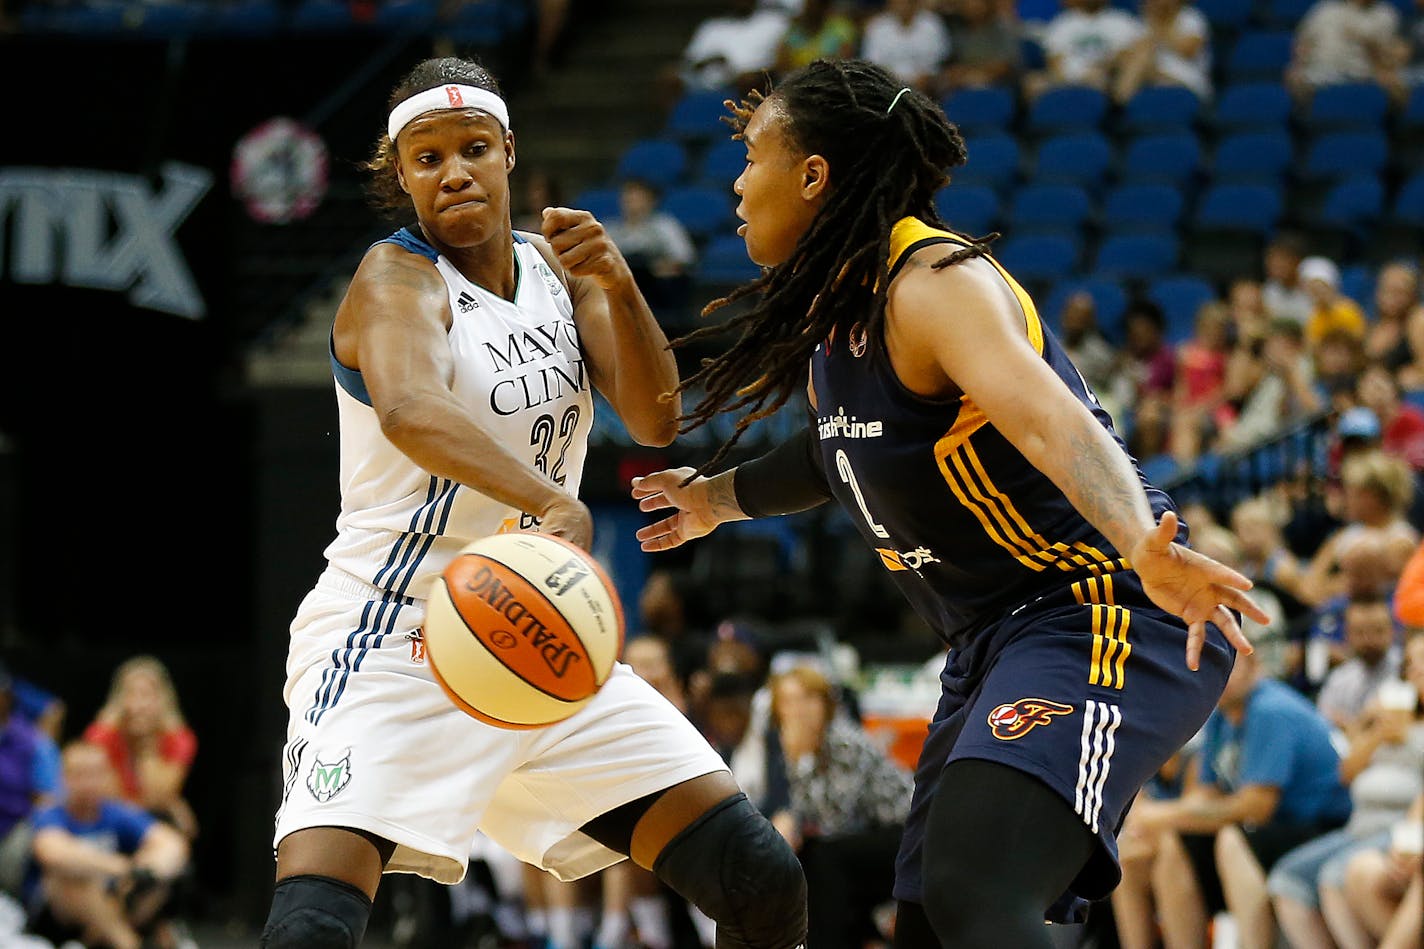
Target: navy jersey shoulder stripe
406, 239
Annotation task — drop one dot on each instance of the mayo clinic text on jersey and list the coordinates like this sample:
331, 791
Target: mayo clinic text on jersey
531, 384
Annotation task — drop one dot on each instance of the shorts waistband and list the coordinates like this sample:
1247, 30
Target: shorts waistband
336, 580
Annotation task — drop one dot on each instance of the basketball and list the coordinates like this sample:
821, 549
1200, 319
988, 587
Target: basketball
522, 629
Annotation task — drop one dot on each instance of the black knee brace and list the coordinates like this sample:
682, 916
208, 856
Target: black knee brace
734, 866
316, 912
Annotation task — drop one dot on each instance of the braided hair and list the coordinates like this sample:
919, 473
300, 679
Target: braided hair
887, 163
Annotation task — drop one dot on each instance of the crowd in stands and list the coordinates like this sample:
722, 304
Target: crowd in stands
96, 835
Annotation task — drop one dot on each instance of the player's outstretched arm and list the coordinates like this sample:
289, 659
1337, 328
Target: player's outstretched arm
961, 328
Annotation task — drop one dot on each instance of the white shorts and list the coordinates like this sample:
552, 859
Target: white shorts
373, 743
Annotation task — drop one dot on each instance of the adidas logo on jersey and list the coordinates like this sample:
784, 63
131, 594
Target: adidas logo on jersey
467, 302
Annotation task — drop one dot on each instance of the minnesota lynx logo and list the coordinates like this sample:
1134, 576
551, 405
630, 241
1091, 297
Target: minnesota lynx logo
327, 780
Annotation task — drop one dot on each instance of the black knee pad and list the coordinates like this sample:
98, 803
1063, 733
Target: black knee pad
316, 912
734, 866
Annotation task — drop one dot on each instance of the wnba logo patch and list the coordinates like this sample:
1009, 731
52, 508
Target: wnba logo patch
1016, 719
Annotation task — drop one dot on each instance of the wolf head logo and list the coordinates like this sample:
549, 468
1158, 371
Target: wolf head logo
326, 780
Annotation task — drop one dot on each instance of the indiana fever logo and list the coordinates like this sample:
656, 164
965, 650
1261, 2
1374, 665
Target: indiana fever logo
1016, 719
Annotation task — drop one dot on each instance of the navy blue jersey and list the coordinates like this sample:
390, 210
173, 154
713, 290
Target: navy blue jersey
966, 525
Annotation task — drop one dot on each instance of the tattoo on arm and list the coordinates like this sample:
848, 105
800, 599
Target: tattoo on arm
722, 497
1104, 488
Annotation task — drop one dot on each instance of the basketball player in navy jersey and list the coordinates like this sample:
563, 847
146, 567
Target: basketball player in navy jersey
987, 480
464, 357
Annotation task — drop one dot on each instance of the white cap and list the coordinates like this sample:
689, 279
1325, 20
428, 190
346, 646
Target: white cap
1319, 268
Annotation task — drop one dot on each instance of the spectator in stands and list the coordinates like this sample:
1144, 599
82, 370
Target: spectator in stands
1384, 890
984, 47
819, 31
1330, 309
909, 40
1284, 290
1174, 50
1199, 403
27, 781
1401, 424
150, 746
1282, 395
1269, 639
1083, 45
542, 189
1134, 912
1345, 41
1267, 781
42, 709
106, 866
847, 806
666, 609
657, 247
1250, 320
1339, 358
1351, 686
1411, 373
1384, 768
732, 52
1396, 297
1149, 373
1089, 349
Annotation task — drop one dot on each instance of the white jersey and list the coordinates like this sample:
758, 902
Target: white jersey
520, 372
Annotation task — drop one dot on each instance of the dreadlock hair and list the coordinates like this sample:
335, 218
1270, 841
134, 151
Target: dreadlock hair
383, 188
886, 164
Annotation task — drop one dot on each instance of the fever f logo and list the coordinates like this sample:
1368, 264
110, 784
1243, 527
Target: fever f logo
326, 780
1014, 720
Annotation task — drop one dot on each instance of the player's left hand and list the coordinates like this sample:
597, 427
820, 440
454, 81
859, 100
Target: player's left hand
584, 247
1193, 586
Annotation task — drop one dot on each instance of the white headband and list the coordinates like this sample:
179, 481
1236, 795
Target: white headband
447, 97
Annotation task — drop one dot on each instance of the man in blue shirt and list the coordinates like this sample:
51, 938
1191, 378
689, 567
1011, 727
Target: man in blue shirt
1267, 778
104, 865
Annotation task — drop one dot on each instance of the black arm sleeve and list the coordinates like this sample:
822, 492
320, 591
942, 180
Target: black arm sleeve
789, 478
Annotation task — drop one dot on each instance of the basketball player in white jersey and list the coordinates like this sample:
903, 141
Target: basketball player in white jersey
464, 356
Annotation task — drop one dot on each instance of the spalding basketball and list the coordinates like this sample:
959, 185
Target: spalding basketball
522, 629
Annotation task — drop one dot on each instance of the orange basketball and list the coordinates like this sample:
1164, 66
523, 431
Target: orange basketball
522, 629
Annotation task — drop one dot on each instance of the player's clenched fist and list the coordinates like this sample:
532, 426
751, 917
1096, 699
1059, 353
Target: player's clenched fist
584, 247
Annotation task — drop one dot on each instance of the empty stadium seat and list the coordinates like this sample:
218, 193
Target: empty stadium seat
1354, 203
1038, 257
1413, 114
697, 115
1253, 156
1067, 109
969, 209
1335, 155
1173, 159
658, 161
722, 163
981, 108
1180, 296
1077, 158
1254, 208
1357, 281
994, 160
1136, 256
702, 210
1259, 54
1408, 206
1348, 105
1039, 207
724, 261
1253, 106
1161, 109
1134, 207
602, 203
1225, 15
1285, 14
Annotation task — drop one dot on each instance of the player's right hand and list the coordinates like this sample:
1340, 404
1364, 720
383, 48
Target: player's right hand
569, 518
694, 517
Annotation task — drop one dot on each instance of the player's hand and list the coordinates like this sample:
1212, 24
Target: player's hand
569, 518
584, 247
695, 513
1193, 586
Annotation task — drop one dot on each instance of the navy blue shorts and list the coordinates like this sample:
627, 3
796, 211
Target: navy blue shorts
1088, 690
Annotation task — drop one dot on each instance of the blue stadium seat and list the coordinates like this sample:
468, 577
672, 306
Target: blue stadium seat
1348, 105
697, 115
1286, 14
1060, 209
969, 209
1253, 208
1259, 54
1413, 114
1136, 256
722, 163
1225, 15
320, 16
1109, 299
1067, 109
1139, 207
1174, 159
602, 203
981, 108
1180, 296
1078, 158
702, 210
1354, 203
244, 18
1408, 205
658, 161
1038, 257
1253, 105
1336, 155
1161, 109
724, 260
399, 14
479, 24
1253, 156
994, 160
1357, 281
